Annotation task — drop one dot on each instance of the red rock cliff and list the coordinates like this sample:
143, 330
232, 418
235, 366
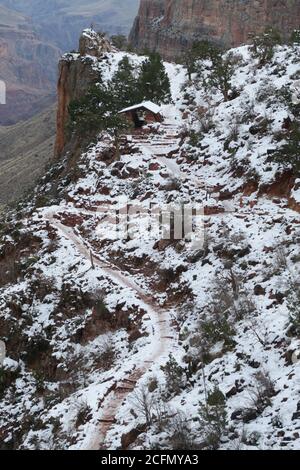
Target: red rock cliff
76, 74
170, 26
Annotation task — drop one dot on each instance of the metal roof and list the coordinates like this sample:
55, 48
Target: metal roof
154, 108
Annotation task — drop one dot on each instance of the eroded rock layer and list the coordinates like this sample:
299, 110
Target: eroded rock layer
170, 26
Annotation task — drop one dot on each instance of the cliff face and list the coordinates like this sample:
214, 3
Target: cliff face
76, 74
60, 22
26, 66
26, 147
33, 35
170, 26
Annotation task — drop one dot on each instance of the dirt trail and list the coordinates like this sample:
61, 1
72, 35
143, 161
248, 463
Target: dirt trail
162, 338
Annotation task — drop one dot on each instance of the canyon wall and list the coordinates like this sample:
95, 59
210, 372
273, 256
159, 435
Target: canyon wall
33, 35
60, 22
26, 66
170, 26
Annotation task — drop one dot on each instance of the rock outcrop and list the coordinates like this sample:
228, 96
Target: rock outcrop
94, 44
170, 26
76, 74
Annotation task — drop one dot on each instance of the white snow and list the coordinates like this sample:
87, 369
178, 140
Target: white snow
226, 172
154, 108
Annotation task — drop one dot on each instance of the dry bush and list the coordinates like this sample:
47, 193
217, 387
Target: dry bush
42, 286
217, 321
180, 434
260, 398
263, 392
107, 356
83, 413
280, 259
9, 270
144, 404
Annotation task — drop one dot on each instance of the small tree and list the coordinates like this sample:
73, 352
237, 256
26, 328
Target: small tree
119, 41
221, 74
144, 404
174, 375
124, 84
200, 50
264, 45
154, 83
97, 111
213, 418
289, 154
181, 437
295, 37
294, 309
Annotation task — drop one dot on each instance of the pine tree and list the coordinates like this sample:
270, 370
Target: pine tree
200, 51
288, 155
295, 37
264, 45
96, 111
213, 418
119, 41
124, 84
154, 83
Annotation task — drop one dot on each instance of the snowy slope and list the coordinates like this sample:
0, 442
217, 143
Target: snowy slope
86, 344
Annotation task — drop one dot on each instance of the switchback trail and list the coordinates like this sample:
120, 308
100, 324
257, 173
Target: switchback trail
162, 339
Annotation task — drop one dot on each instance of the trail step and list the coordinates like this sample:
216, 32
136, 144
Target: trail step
124, 389
130, 381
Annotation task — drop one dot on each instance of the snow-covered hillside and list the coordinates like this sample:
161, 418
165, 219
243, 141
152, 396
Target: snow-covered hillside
133, 342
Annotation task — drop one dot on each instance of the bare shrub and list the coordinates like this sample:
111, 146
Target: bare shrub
83, 413
107, 356
172, 184
152, 384
9, 268
280, 259
207, 123
97, 301
183, 312
144, 404
42, 285
162, 413
248, 114
180, 434
266, 92
244, 306
260, 397
265, 390
230, 304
